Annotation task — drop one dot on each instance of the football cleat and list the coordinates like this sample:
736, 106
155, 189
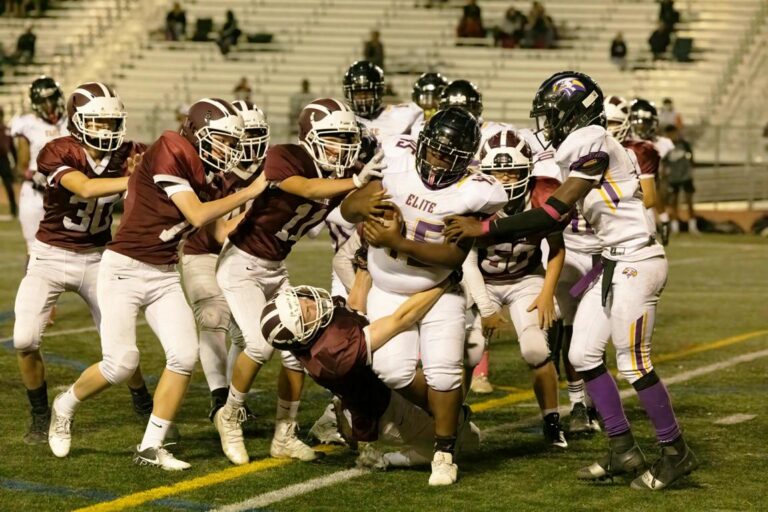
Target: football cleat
38, 429
581, 423
481, 385
444, 471
228, 422
286, 444
159, 457
59, 433
595, 422
624, 457
326, 430
172, 436
664, 230
370, 457
677, 460
467, 434
553, 431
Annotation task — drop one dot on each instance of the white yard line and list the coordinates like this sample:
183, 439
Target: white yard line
67, 332
292, 491
735, 419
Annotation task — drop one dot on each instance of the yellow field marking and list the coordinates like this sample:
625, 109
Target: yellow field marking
139, 498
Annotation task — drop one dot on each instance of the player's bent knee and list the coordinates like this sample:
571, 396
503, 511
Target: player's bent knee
182, 360
119, 367
444, 379
212, 315
533, 347
580, 361
260, 354
24, 340
395, 377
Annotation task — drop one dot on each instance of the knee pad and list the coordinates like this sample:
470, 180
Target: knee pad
533, 347
395, 375
581, 360
119, 366
212, 314
290, 362
25, 339
443, 378
474, 346
259, 350
182, 360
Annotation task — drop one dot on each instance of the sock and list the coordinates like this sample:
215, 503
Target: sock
445, 444
142, 400
576, 392
236, 399
482, 366
663, 217
287, 411
658, 406
605, 395
67, 403
38, 399
547, 412
154, 435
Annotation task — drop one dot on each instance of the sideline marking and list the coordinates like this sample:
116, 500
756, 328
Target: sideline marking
295, 490
735, 419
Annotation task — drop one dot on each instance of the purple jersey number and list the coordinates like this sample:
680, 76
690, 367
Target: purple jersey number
419, 235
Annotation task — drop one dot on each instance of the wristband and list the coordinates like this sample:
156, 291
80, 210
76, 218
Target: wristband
486, 226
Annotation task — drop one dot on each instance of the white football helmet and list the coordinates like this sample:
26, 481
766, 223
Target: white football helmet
507, 151
327, 118
215, 128
284, 322
617, 117
97, 116
256, 138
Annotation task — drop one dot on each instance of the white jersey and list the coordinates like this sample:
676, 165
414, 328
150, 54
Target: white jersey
663, 145
423, 212
614, 208
339, 229
392, 121
37, 132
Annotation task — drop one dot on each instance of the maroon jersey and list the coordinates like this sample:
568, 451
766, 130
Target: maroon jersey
152, 225
70, 221
338, 361
508, 261
277, 219
647, 156
202, 241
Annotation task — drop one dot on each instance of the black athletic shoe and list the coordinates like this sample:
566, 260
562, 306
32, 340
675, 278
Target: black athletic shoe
676, 461
553, 431
38, 429
624, 457
664, 230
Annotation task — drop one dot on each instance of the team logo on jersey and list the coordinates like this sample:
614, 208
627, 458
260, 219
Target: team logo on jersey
629, 272
568, 86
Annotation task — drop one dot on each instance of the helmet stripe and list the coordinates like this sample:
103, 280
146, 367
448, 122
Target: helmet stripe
224, 110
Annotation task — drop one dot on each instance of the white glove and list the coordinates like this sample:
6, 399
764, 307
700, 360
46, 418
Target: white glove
371, 170
38, 179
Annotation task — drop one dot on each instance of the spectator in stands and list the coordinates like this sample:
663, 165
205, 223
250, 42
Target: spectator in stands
668, 15
229, 34
619, 51
659, 41
297, 102
540, 31
25, 47
679, 165
242, 90
511, 30
668, 116
7, 149
471, 22
176, 24
373, 50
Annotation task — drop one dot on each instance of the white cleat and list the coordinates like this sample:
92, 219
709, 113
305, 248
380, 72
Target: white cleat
228, 422
481, 385
285, 443
325, 429
370, 457
59, 432
444, 471
159, 457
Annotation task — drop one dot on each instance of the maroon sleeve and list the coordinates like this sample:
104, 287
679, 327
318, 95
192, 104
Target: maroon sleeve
168, 168
54, 162
648, 158
281, 164
542, 189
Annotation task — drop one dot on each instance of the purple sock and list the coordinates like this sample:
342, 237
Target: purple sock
657, 405
605, 396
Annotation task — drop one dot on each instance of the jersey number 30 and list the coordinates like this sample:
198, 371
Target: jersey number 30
93, 215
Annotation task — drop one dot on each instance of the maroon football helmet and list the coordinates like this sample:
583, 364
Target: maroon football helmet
96, 116
508, 157
216, 129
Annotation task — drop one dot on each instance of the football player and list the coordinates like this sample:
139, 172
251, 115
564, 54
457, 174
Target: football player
363, 86
307, 181
85, 174
620, 303
33, 131
201, 251
510, 274
427, 180
336, 346
426, 95
138, 270
644, 125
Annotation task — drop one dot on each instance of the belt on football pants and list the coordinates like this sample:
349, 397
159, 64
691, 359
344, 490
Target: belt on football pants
609, 266
588, 278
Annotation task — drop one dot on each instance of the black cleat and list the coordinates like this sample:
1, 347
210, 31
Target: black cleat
677, 460
553, 431
624, 457
580, 422
38, 429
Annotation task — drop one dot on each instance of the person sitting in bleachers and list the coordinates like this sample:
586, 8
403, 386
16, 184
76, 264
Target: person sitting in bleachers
176, 23
25, 47
540, 31
511, 30
229, 34
471, 23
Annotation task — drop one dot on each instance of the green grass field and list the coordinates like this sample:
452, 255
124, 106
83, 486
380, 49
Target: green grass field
713, 310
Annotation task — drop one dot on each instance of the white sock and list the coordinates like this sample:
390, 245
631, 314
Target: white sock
232, 355
154, 435
67, 403
236, 399
213, 358
287, 411
663, 217
545, 412
576, 391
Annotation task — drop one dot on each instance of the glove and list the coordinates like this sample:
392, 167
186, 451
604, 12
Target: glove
39, 180
371, 170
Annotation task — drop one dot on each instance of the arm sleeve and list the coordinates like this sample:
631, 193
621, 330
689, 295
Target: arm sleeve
343, 260
168, 170
542, 189
537, 221
475, 284
54, 164
648, 159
